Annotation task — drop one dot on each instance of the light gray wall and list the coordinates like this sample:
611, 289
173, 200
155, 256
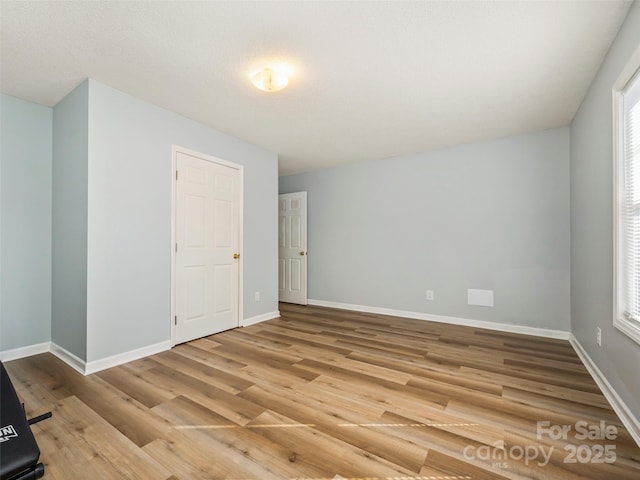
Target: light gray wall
129, 229
25, 232
490, 215
86, 220
69, 241
592, 224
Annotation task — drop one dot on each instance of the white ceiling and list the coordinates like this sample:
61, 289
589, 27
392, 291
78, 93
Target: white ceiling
372, 79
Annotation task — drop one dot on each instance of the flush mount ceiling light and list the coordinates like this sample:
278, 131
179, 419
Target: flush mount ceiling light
270, 79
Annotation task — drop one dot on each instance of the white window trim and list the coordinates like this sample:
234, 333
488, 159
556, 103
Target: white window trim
620, 321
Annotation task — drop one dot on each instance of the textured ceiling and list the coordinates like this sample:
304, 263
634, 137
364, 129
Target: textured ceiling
371, 79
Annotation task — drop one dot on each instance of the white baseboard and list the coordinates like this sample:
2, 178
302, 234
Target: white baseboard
502, 327
87, 368
22, 352
69, 358
630, 421
260, 318
115, 360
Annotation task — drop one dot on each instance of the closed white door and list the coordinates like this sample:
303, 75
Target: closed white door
292, 251
207, 256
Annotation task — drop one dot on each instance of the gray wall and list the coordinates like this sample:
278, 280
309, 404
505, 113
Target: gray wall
592, 224
490, 215
69, 242
129, 229
86, 220
25, 230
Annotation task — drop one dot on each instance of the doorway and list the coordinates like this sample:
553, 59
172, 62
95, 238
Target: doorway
292, 248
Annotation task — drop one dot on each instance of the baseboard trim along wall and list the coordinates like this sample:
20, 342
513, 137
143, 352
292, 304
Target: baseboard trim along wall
69, 358
260, 318
115, 360
22, 352
630, 421
87, 368
502, 327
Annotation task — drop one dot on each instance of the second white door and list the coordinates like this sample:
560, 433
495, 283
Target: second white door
292, 251
207, 255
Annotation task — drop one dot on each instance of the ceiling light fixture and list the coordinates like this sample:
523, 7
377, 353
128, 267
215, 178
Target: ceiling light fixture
270, 80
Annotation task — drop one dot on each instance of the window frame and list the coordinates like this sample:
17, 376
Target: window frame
626, 325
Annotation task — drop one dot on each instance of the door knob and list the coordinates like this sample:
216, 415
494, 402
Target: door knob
236, 256
302, 253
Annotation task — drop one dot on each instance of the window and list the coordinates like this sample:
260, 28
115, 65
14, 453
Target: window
626, 110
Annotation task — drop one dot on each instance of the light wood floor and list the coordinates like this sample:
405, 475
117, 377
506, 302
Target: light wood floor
329, 394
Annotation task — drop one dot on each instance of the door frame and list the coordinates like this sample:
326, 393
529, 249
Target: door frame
175, 149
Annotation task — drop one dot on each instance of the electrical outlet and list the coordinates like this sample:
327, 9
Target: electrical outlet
429, 294
256, 296
599, 336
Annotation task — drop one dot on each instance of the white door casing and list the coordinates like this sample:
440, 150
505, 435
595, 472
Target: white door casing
292, 247
207, 221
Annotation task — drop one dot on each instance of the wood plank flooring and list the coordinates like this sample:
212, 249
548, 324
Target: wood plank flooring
330, 394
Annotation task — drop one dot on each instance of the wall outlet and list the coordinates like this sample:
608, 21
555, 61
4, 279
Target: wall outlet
429, 294
256, 296
599, 336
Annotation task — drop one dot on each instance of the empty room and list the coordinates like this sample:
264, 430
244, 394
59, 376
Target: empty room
320, 240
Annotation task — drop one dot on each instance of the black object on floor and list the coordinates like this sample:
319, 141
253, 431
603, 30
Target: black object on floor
19, 452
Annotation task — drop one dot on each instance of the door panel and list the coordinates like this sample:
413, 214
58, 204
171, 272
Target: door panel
194, 211
196, 299
207, 237
296, 277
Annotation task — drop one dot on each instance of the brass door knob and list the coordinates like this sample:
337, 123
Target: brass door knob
303, 253
236, 256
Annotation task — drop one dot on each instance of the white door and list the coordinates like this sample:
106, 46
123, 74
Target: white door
292, 251
207, 255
